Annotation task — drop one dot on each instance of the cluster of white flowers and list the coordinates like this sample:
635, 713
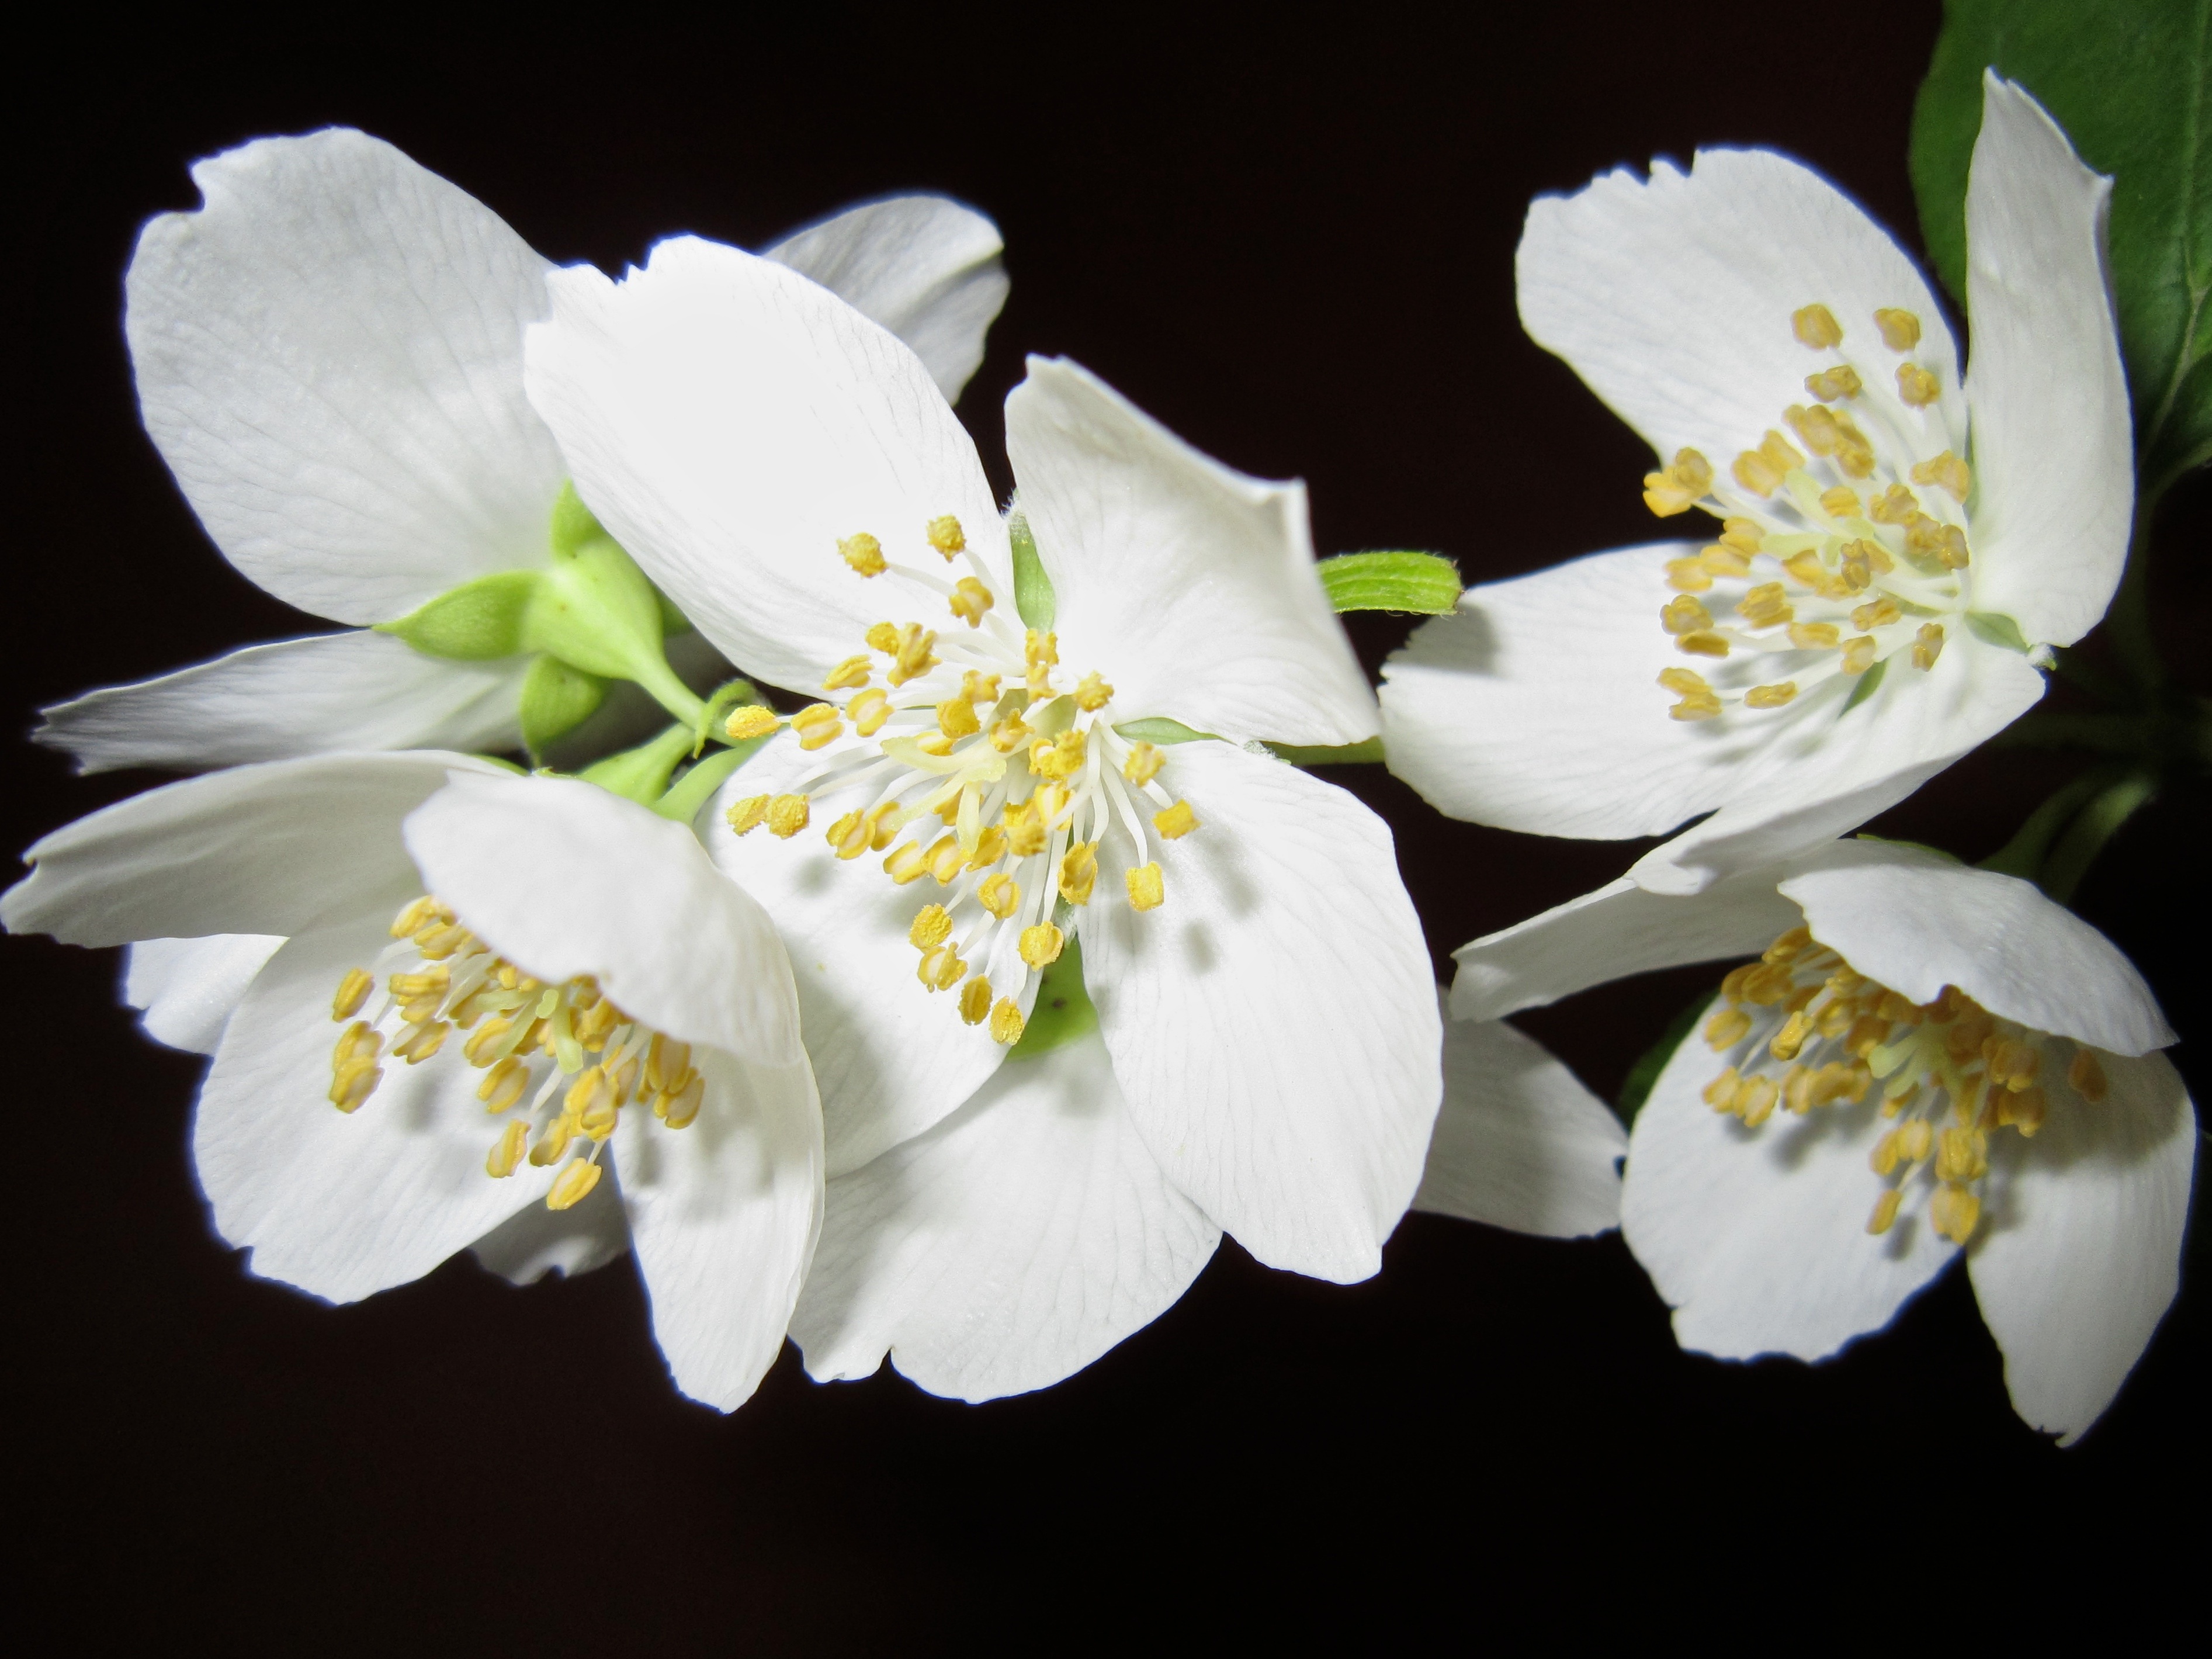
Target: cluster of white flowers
953, 1010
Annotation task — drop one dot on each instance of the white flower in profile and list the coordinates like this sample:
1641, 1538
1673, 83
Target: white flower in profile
396, 1077
1924, 1060
1893, 546
1266, 1055
328, 355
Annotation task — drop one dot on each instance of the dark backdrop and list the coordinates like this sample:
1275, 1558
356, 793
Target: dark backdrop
1289, 234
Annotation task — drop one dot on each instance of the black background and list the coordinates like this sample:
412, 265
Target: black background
1289, 234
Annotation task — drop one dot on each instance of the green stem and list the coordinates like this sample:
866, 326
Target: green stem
2024, 854
642, 773
2095, 825
696, 787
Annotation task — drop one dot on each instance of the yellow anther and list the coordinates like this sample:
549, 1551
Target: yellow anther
745, 816
1092, 693
864, 553
506, 1151
817, 724
1788, 947
1832, 384
1679, 486
1816, 326
932, 926
1914, 1139
990, 847
677, 1108
969, 600
417, 913
1791, 1037
1059, 758
1079, 872
1176, 822
1720, 1093
1876, 613
956, 718
1761, 470
850, 835
1895, 505
553, 1141
1144, 763
2087, 1076
1771, 696
1039, 656
1766, 605
1007, 1023
1916, 386
1806, 568
1900, 330
2023, 1111
491, 1035
1947, 472
1754, 1101
1858, 654
979, 687
975, 1000
1041, 946
945, 535
595, 1023
1742, 534
2011, 1063
1702, 643
1854, 570
354, 1071
1010, 734
1727, 1027
666, 1063
1961, 1155
786, 816
1884, 1212
1854, 454
883, 636
353, 991
868, 711
754, 721
1818, 429
907, 863
947, 859
438, 943
913, 654
1954, 1212
1000, 895
422, 1041
1944, 542
1147, 889
1698, 703
1841, 502
1688, 576
1025, 830
1814, 636
941, 968
570, 1186
1684, 616
503, 1085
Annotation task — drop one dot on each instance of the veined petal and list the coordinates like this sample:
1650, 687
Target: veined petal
890, 1060
2053, 465
314, 697
564, 878
1008, 1247
729, 422
1918, 921
1809, 784
256, 849
1519, 1142
1538, 707
724, 1215
1757, 1237
535, 1241
1192, 586
1274, 1024
329, 355
188, 987
342, 1204
925, 267
1618, 930
2080, 1254
1672, 297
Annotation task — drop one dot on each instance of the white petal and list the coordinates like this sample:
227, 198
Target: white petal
925, 267
1007, 1248
724, 1215
1538, 707
328, 355
1190, 586
729, 422
1519, 1142
1618, 930
312, 697
2053, 462
1825, 772
1918, 921
1672, 298
188, 987
1274, 1024
342, 1204
257, 850
535, 1241
891, 1058
564, 878
1757, 1237
2080, 1252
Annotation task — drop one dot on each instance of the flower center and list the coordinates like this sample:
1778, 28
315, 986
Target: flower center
1862, 532
1001, 770
1804, 1030
526, 1036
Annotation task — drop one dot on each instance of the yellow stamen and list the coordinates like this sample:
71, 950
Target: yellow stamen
883, 636
553, 1143
1146, 891
1092, 693
1688, 576
572, 1183
1927, 646
1010, 734
1791, 1037
1679, 486
990, 847
1025, 830
864, 553
354, 1071
1176, 822
975, 1000
745, 816
1079, 872
1684, 616
1703, 643
947, 859
1884, 1212
2087, 1076
1007, 1023
1754, 1101
1814, 636
752, 721
421, 1042
1039, 656
1727, 1028
1764, 605
1841, 502
1698, 701
978, 687
956, 718
1947, 473
945, 535
868, 711
1720, 1093
1876, 613
932, 925
1761, 470
503, 1085
1144, 763
353, 991
1833, 385
913, 654
1916, 386
1000, 895
817, 725
677, 1110
506, 1151
850, 835
416, 914
1816, 326
786, 816
969, 600
941, 968
1041, 946
1954, 1212
1900, 330
848, 675
1895, 505
1771, 696
1858, 654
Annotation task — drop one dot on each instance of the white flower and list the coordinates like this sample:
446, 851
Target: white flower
1892, 543
396, 1077
1925, 1058
329, 355
1267, 1056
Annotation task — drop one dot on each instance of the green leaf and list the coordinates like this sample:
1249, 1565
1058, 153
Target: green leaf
1033, 596
555, 698
1157, 730
1424, 584
1349, 754
1636, 1088
1063, 1010
473, 623
2131, 82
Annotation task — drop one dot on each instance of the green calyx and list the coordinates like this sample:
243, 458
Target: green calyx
647, 774
1034, 601
1414, 584
1063, 1010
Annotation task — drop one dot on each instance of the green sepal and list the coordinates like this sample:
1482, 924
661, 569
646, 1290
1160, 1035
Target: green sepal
1162, 731
1033, 596
1869, 684
1063, 1010
1635, 1088
503, 764
1418, 584
697, 786
1991, 627
642, 773
473, 623
595, 609
557, 698
1346, 753
573, 524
